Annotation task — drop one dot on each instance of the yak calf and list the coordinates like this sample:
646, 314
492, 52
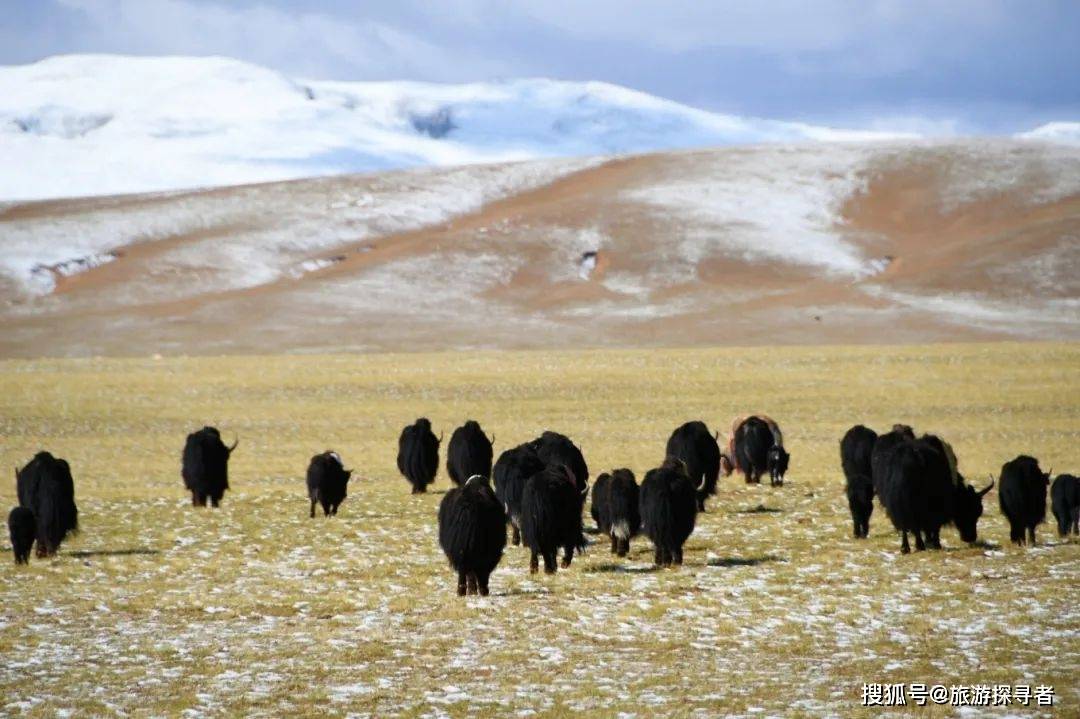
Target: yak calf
327, 481
1065, 496
616, 508
22, 528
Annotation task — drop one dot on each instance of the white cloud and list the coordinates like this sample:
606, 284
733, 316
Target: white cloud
310, 43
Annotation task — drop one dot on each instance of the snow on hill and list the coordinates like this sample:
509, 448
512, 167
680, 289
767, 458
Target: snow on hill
1062, 132
99, 125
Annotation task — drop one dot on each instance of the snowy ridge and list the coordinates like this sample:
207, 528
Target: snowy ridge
98, 125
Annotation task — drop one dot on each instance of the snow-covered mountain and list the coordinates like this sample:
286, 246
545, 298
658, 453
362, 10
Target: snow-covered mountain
97, 124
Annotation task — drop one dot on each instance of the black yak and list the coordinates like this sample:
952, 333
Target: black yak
22, 528
855, 450
883, 445
554, 448
327, 481
551, 516
921, 491
469, 453
418, 454
511, 472
1065, 500
205, 466
729, 461
616, 508
668, 510
699, 451
46, 488
472, 533
757, 452
1022, 497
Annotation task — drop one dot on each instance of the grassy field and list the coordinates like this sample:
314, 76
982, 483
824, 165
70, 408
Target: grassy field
156, 608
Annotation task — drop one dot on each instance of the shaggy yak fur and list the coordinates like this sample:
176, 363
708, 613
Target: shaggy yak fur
472, 533
418, 455
205, 466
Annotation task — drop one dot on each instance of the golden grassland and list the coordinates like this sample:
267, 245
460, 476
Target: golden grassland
157, 608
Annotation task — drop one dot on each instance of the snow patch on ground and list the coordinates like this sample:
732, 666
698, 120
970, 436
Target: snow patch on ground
773, 204
285, 230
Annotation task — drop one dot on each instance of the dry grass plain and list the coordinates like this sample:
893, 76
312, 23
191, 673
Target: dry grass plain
160, 609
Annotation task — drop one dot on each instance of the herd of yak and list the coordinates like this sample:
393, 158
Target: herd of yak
540, 489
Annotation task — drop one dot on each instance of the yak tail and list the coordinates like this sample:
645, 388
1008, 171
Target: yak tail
626, 511
538, 523
659, 517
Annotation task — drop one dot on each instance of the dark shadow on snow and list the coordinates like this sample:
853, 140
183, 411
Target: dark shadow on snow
84, 553
620, 569
760, 509
744, 561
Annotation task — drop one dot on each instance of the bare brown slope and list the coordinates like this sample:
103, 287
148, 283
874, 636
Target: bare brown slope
506, 275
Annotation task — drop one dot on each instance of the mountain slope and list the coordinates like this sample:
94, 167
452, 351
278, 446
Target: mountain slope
100, 125
811, 243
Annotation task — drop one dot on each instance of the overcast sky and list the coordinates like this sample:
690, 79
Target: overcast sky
937, 66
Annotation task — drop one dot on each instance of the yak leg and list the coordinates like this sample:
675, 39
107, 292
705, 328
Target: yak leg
471, 579
516, 534
905, 548
534, 564
482, 583
614, 544
1031, 536
1016, 534
658, 556
549, 561
858, 528
312, 514
678, 556
568, 556
461, 583
919, 544
624, 547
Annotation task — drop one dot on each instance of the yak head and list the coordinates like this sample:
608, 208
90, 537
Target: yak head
726, 465
967, 508
676, 464
777, 462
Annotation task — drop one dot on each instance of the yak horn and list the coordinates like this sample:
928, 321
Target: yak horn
585, 491
441, 436
492, 440
236, 441
990, 486
701, 484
